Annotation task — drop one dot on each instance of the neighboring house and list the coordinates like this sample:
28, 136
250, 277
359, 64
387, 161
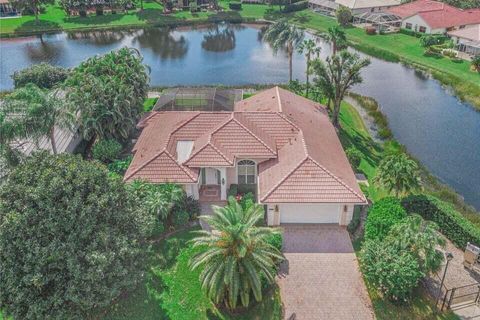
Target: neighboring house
467, 39
357, 6
276, 143
7, 10
429, 16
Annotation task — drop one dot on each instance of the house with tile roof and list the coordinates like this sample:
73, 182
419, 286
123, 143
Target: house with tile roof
429, 16
276, 143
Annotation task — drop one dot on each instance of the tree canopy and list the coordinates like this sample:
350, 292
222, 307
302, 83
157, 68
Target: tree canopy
107, 94
398, 174
71, 238
43, 75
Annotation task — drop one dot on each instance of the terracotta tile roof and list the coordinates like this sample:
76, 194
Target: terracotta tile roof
437, 14
305, 160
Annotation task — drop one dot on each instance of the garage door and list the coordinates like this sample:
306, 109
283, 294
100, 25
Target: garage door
310, 213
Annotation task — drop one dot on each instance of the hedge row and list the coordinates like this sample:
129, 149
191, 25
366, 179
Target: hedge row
451, 223
297, 6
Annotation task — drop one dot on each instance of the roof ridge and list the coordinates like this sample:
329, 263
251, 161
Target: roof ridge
254, 135
278, 98
155, 156
283, 179
336, 178
221, 153
197, 113
284, 117
181, 167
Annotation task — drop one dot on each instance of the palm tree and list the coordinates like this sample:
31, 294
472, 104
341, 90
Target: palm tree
339, 73
337, 37
282, 34
32, 113
235, 256
398, 174
309, 47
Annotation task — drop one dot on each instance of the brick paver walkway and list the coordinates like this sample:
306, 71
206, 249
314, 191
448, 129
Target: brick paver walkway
321, 278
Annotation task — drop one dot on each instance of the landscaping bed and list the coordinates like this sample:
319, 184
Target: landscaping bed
171, 289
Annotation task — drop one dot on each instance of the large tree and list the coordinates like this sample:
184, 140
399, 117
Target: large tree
32, 113
235, 255
31, 5
71, 238
284, 35
338, 74
337, 37
107, 93
310, 49
398, 174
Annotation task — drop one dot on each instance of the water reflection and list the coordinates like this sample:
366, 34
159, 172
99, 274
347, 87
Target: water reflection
100, 37
162, 42
44, 51
219, 39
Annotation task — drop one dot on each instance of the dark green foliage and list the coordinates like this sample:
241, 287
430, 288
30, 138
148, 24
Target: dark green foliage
247, 200
297, 6
476, 63
397, 263
43, 75
120, 166
30, 6
382, 216
188, 204
412, 33
246, 188
70, 238
106, 150
234, 5
107, 92
431, 40
353, 225
393, 272
180, 218
450, 222
344, 16
233, 190
275, 240
354, 156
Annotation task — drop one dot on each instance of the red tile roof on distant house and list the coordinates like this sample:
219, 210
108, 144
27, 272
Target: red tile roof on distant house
437, 14
305, 161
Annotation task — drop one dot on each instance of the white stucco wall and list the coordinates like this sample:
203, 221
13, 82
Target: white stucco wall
418, 22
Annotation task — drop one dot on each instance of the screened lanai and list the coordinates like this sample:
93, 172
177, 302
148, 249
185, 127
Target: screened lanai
383, 21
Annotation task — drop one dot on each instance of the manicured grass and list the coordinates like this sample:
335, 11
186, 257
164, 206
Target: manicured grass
172, 291
149, 104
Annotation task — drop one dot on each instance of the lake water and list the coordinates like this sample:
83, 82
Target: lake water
439, 130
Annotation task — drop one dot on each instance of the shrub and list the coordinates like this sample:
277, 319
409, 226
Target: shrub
298, 6
233, 190
235, 5
106, 150
395, 273
370, 30
70, 238
43, 75
354, 156
476, 63
275, 240
180, 218
353, 225
120, 166
382, 216
188, 204
247, 200
450, 222
344, 16
411, 33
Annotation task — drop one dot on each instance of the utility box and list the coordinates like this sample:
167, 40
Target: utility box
470, 257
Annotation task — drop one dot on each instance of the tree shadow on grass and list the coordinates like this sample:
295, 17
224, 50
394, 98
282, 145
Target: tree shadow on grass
157, 17
41, 25
95, 20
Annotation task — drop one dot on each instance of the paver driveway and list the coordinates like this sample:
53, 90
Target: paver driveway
321, 278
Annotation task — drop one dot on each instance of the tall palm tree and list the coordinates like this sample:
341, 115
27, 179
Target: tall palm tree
340, 72
337, 37
310, 48
282, 34
235, 255
398, 174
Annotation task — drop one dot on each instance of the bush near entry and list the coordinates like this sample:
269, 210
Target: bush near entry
382, 216
107, 150
450, 222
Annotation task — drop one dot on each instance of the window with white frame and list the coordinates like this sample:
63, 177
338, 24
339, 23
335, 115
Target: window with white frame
247, 170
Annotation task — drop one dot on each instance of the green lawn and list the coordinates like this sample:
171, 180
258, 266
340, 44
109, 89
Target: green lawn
149, 103
172, 291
